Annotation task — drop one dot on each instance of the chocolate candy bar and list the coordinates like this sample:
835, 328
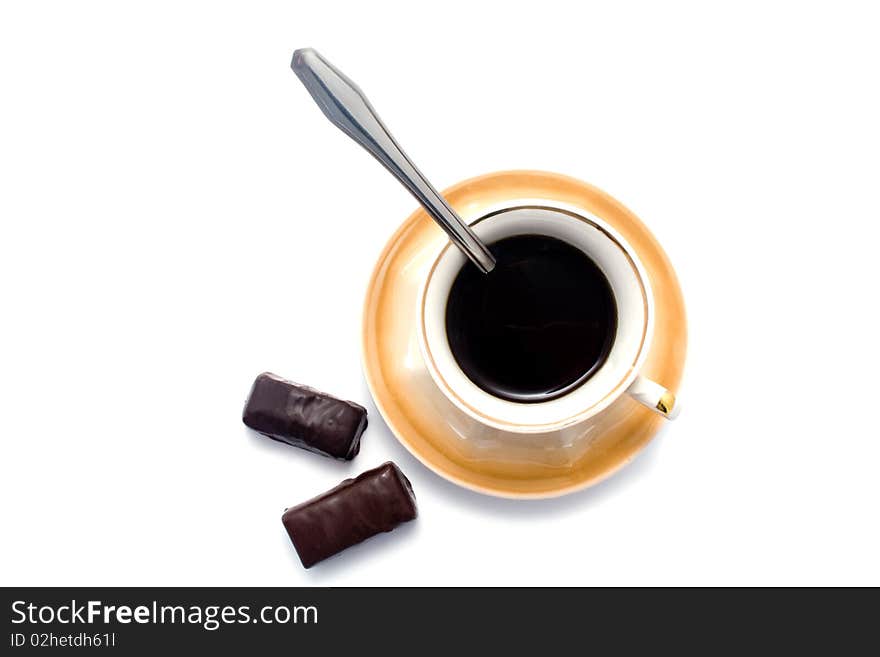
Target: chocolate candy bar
376, 501
303, 417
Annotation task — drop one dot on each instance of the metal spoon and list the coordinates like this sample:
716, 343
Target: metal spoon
348, 109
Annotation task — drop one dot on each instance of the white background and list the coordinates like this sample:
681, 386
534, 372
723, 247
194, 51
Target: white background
178, 216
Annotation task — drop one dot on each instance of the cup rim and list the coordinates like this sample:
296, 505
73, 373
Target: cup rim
619, 388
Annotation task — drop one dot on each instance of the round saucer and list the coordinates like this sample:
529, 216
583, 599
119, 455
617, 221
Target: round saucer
433, 429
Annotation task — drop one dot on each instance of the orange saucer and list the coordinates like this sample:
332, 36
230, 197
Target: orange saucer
433, 429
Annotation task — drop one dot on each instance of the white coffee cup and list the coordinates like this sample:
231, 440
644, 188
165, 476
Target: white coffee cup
618, 375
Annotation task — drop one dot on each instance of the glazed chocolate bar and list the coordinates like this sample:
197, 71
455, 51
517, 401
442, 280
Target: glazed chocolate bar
376, 501
303, 417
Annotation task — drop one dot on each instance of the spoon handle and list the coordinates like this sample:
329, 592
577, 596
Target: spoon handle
349, 110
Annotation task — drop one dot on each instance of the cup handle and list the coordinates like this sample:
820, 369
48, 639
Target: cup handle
654, 396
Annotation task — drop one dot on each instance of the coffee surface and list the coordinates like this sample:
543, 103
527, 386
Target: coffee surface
537, 326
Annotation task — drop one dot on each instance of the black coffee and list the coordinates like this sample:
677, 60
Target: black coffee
536, 327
